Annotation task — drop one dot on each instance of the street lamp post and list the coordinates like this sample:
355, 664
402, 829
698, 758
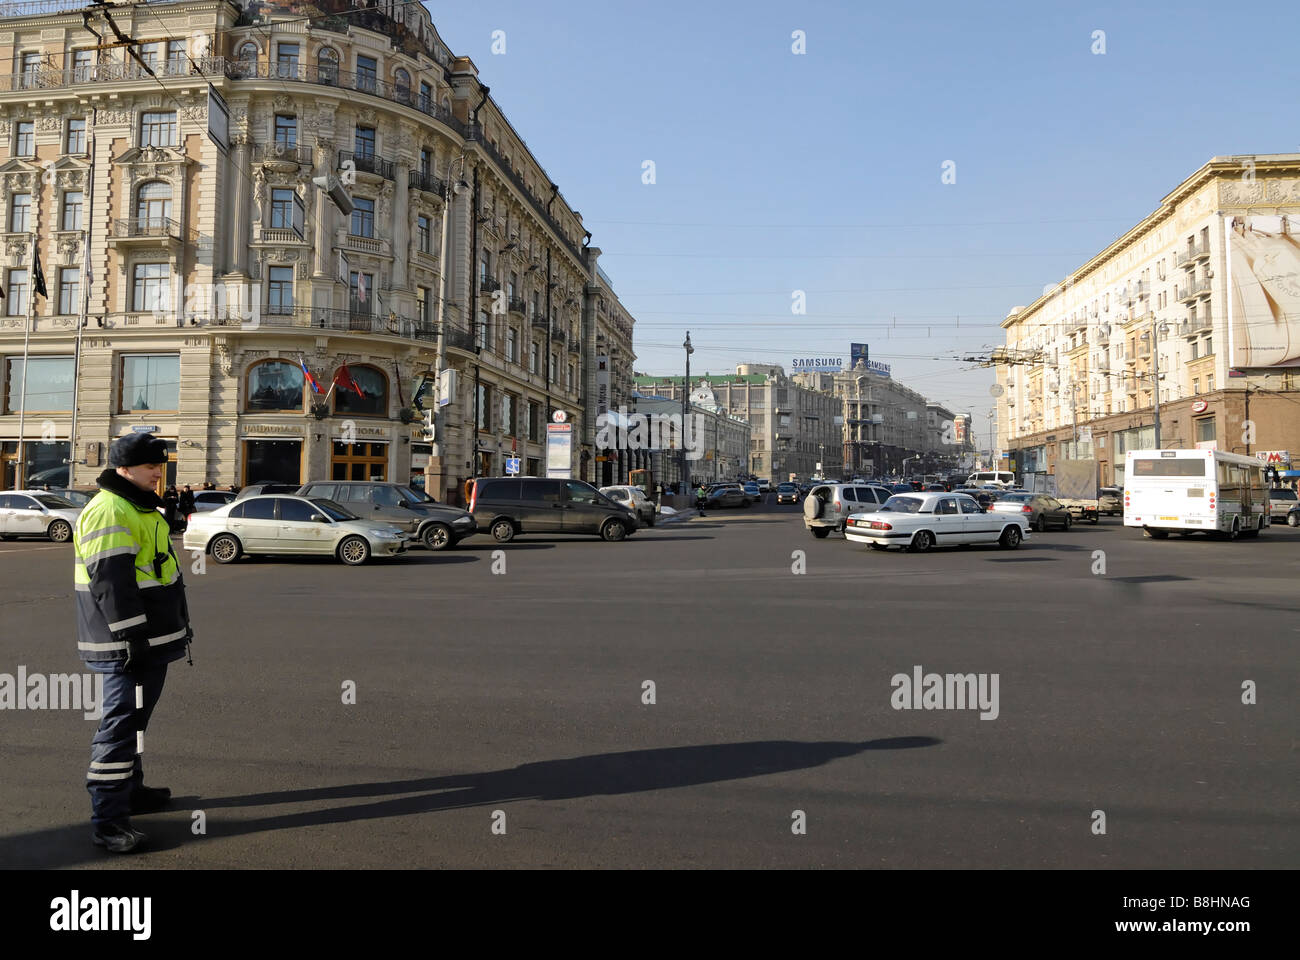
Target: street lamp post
686, 387
1160, 326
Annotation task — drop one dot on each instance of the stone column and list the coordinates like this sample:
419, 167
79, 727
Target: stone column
239, 219
401, 225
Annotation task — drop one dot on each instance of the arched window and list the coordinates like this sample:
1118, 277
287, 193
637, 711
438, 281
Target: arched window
274, 385
153, 205
247, 58
373, 384
327, 65
402, 81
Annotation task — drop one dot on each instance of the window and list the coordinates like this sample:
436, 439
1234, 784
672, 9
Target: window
286, 131
25, 144
158, 129
16, 298
327, 65
75, 141
153, 207
1209, 348
424, 305
511, 284
534, 357
152, 289
49, 384
282, 208
1195, 349
534, 421
177, 56
20, 213
255, 508
1196, 387
426, 97
361, 293
580, 492
484, 407
150, 382
509, 412
279, 290
72, 210
150, 54
512, 345
423, 234
1209, 384
286, 60
426, 161
275, 385
375, 402
481, 334
551, 369
402, 84
248, 52
569, 381
296, 511
484, 266
363, 143
363, 217
69, 291
83, 64
367, 73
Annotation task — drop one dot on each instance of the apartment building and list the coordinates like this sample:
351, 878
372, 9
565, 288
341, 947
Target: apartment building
1193, 307
194, 268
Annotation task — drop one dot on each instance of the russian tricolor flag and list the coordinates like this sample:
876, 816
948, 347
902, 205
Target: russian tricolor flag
307, 373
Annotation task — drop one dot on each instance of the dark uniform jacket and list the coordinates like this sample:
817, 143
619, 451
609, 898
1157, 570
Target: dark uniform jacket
128, 581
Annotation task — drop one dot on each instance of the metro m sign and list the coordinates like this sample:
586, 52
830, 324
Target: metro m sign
1276, 458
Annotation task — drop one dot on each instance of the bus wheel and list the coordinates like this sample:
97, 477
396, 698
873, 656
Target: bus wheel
1235, 532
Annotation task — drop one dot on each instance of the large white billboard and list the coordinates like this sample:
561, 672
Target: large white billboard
1263, 290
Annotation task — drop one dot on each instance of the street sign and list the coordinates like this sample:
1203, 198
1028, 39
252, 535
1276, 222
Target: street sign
144, 428
512, 465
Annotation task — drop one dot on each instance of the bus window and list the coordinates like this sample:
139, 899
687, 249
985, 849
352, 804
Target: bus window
1169, 467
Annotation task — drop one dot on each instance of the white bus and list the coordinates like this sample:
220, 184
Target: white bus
991, 478
1188, 490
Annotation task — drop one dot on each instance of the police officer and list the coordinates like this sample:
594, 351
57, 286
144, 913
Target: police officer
132, 620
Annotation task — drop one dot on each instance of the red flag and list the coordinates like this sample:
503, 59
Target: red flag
343, 378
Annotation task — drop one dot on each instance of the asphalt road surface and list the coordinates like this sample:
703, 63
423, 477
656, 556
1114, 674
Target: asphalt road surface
500, 717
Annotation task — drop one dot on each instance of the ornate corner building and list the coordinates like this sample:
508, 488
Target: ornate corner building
166, 158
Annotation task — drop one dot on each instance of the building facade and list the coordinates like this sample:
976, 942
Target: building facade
194, 268
1194, 309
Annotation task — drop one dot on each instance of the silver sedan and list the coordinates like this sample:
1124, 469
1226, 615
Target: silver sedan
281, 525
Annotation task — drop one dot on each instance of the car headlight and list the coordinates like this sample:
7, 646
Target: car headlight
463, 522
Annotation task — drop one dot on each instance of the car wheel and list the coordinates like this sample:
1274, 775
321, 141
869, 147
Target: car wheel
503, 531
60, 531
437, 536
820, 532
354, 551
1068, 521
1041, 523
225, 548
922, 542
613, 530
1234, 533
1293, 519
1010, 538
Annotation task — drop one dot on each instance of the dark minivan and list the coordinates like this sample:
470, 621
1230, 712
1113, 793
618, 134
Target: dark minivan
507, 506
436, 525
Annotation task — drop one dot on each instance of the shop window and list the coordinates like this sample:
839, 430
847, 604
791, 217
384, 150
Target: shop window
359, 461
49, 384
149, 382
272, 461
274, 385
374, 403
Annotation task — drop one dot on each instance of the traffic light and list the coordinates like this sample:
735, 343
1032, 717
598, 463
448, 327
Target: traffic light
429, 433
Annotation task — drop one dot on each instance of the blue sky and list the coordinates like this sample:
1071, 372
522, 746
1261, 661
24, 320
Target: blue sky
822, 172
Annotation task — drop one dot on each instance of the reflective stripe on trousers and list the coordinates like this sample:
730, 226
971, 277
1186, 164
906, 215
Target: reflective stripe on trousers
115, 767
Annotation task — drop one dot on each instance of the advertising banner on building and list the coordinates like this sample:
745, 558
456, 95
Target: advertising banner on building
602, 385
858, 351
817, 364
559, 450
1263, 291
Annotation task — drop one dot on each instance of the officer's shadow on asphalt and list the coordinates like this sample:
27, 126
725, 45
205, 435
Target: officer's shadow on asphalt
605, 774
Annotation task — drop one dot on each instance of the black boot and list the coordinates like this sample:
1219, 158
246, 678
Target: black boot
118, 836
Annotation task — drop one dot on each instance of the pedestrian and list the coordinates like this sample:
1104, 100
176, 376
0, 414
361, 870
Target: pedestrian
209, 485
186, 506
700, 497
171, 502
132, 621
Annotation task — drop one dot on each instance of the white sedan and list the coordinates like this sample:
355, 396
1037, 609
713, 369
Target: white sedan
284, 524
919, 521
35, 513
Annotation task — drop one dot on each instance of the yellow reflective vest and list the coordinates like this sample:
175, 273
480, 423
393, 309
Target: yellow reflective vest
128, 581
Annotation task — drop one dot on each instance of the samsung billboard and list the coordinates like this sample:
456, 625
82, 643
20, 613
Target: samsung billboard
817, 364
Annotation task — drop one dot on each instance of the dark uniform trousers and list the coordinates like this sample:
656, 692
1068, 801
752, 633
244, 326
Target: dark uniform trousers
115, 766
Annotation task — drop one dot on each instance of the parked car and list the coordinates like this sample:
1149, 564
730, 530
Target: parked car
752, 491
1110, 501
436, 526
634, 499
1293, 517
263, 487
829, 505
78, 497
787, 493
281, 525
35, 513
207, 500
510, 506
918, 521
725, 495
1039, 510
1280, 502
